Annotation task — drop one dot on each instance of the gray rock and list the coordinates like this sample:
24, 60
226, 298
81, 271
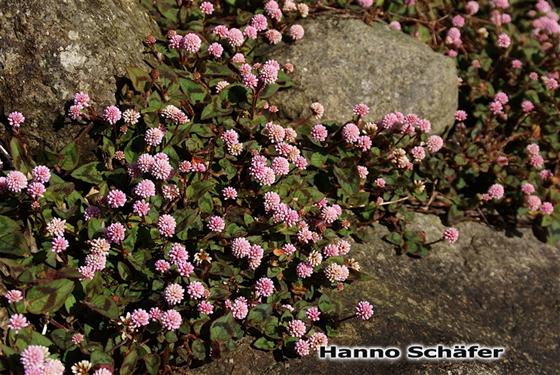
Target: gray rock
342, 61
488, 288
50, 49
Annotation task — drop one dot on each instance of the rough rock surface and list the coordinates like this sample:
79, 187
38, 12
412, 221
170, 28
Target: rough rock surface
488, 289
50, 49
342, 61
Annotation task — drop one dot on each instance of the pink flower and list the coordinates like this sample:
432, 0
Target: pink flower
269, 72
280, 166
81, 99
238, 58
36, 190
205, 307
166, 225
545, 174
162, 265
273, 36
161, 169
235, 37
112, 114
533, 149
362, 171
318, 339
41, 174
547, 208
191, 43
364, 142
207, 8
329, 214
350, 133
501, 97
239, 308
472, 7
16, 119
77, 338
364, 310
296, 328
116, 198
171, 320
141, 207
140, 318
434, 143
59, 244
229, 193
16, 181
460, 115
216, 224
319, 133
527, 188
496, 191
115, 233
336, 272
533, 76
145, 189
451, 235
300, 163
302, 346
533, 202
458, 21
34, 356
365, 3
153, 136
516, 64
527, 106
503, 4
14, 296
259, 22
215, 50
504, 40
103, 371
264, 287
395, 25
536, 161
174, 294
296, 32
18, 322
75, 112
250, 32
288, 249
379, 182
418, 153
304, 270
313, 314
250, 80
240, 247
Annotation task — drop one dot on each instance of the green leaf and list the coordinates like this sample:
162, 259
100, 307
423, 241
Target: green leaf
89, 173
139, 77
259, 314
12, 240
70, 157
224, 328
104, 306
129, 362
263, 343
152, 363
49, 297
198, 350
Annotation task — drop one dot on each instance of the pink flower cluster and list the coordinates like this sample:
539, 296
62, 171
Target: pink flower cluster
35, 360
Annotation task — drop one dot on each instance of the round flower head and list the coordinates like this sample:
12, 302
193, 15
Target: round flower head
269, 72
264, 287
196, 290
472, 7
336, 273
41, 174
77, 338
296, 328
215, 50
59, 244
34, 356
103, 371
216, 224
259, 22
14, 296
16, 181
153, 136
296, 32
235, 37
504, 40
229, 193
116, 198
166, 225
273, 36
115, 233
434, 143
460, 115
207, 8
533, 202
302, 346
205, 307
364, 310
171, 320
362, 172
350, 133
191, 43
239, 308
36, 190
174, 294
16, 119
17, 322
304, 270
496, 191
451, 235
140, 318
112, 114
319, 133
360, 110
313, 314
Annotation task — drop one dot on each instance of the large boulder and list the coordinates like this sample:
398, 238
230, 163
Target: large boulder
343, 61
50, 49
489, 289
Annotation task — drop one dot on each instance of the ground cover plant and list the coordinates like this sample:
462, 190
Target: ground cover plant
205, 218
